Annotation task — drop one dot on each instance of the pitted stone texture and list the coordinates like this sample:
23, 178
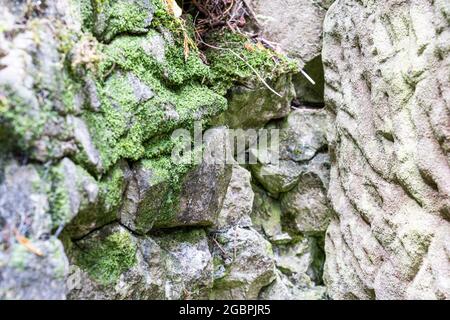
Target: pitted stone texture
27, 276
189, 264
387, 88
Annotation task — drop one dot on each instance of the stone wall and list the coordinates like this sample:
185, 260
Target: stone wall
91, 206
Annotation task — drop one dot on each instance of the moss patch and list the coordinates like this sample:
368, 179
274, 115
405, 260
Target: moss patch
235, 59
106, 260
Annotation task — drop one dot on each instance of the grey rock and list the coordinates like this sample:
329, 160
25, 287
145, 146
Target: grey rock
144, 198
29, 97
283, 289
26, 276
238, 202
386, 70
189, 264
25, 212
136, 269
266, 216
253, 105
302, 135
75, 188
88, 151
172, 265
244, 264
156, 47
277, 178
24, 202
307, 205
202, 191
141, 91
295, 25
98, 203
92, 95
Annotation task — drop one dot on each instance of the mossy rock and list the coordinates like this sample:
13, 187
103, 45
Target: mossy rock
106, 254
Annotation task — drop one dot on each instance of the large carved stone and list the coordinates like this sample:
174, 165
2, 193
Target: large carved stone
387, 67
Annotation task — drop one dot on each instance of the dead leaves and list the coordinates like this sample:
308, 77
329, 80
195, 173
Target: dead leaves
249, 47
27, 244
252, 47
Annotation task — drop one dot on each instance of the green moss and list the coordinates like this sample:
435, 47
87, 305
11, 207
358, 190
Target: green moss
59, 201
235, 59
171, 176
87, 14
125, 124
22, 119
162, 18
107, 259
111, 189
111, 18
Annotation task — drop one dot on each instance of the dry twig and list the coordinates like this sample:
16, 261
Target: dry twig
248, 64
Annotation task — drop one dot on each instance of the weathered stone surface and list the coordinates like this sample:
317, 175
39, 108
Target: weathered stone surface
189, 264
143, 198
78, 191
205, 188
302, 135
243, 264
87, 120
89, 155
238, 203
114, 264
25, 212
283, 289
26, 276
387, 88
266, 216
151, 201
307, 205
30, 102
253, 105
296, 25
95, 203
276, 178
